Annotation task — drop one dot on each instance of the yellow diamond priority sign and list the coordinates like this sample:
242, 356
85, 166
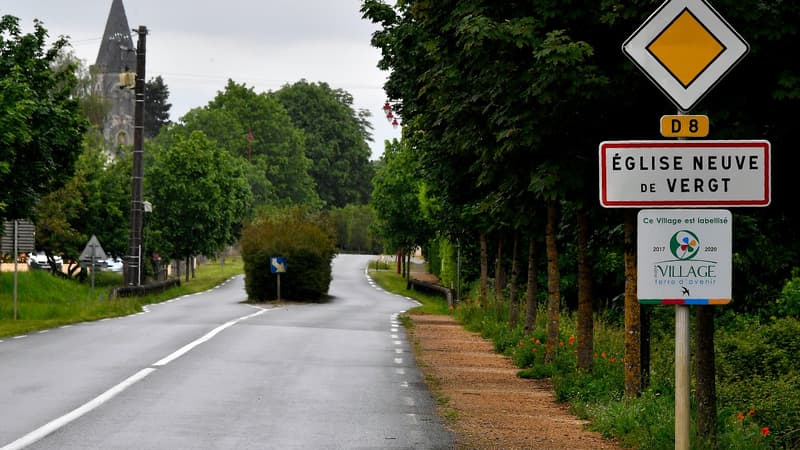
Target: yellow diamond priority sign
685, 48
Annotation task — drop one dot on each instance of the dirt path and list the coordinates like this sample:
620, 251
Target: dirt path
482, 399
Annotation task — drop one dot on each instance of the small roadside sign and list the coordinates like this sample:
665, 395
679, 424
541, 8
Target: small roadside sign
684, 126
699, 173
685, 48
93, 251
684, 257
277, 264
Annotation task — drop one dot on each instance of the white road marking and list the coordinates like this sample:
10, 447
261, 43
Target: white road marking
20, 336
398, 360
55, 424
186, 348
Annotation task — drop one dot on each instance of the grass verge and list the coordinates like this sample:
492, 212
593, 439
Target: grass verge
45, 301
392, 282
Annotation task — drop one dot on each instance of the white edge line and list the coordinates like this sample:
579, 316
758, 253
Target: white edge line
55, 424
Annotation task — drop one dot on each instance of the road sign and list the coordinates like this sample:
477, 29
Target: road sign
684, 126
277, 264
93, 251
26, 232
640, 174
684, 256
685, 48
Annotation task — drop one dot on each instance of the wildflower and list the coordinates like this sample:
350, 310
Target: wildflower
751, 412
740, 417
561, 344
451, 307
571, 340
534, 349
612, 360
604, 355
521, 343
765, 431
538, 341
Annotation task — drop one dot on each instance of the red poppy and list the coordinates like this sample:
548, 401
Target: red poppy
740, 417
751, 412
764, 431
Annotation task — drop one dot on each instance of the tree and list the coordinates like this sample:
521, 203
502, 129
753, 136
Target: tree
396, 200
41, 127
199, 195
335, 141
94, 201
156, 108
274, 137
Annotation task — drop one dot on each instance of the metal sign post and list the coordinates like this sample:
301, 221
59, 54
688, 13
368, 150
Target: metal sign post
685, 48
278, 266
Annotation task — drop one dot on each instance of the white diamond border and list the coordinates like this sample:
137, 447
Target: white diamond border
685, 98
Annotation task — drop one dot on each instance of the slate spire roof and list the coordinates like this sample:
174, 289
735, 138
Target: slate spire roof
116, 50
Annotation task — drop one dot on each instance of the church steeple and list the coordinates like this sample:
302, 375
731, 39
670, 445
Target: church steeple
116, 55
116, 50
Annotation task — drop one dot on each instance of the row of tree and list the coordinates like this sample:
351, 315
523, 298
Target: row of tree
504, 106
206, 175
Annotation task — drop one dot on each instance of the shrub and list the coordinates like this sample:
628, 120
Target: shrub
302, 241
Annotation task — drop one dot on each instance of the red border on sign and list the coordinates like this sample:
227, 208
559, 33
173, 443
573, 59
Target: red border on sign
610, 145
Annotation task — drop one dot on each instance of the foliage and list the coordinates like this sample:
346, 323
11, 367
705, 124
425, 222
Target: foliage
758, 377
156, 108
199, 195
353, 225
48, 302
334, 141
41, 126
393, 282
307, 246
395, 199
94, 201
788, 303
274, 138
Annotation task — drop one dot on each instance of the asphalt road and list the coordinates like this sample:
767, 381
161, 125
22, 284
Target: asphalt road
209, 372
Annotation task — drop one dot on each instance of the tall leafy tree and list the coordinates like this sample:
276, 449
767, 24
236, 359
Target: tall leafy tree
199, 194
274, 137
335, 140
396, 200
156, 106
41, 127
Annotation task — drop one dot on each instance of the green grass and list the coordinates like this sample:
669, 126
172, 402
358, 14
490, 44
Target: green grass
45, 301
392, 282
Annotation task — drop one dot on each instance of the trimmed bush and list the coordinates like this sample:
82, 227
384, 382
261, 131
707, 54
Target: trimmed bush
302, 241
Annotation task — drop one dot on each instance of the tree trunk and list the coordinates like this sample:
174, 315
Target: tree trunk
585, 312
553, 292
499, 278
706, 393
531, 306
513, 304
399, 261
499, 273
633, 365
187, 268
484, 269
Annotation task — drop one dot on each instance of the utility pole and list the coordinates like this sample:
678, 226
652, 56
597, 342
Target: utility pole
137, 210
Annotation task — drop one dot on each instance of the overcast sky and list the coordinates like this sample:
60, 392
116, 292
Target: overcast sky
196, 47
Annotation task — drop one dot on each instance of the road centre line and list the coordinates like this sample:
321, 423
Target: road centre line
186, 348
60, 422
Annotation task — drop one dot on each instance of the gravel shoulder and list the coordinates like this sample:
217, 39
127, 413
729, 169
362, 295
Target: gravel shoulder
482, 400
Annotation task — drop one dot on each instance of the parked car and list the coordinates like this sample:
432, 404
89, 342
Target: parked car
39, 260
112, 265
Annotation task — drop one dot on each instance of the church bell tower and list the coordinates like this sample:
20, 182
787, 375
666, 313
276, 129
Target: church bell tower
116, 58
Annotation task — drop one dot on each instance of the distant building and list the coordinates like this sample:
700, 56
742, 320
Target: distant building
116, 56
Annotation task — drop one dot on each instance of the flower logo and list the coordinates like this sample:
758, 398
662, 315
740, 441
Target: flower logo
684, 245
